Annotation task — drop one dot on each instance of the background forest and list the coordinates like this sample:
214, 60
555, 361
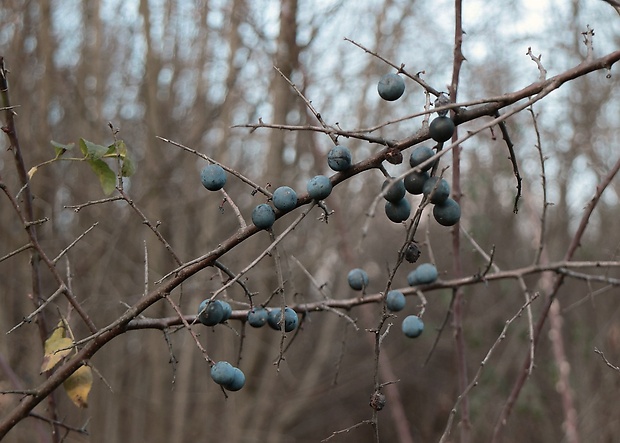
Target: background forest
195, 72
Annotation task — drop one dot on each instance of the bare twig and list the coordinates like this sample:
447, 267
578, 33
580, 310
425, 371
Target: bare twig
513, 161
347, 430
538, 60
240, 176
78, 208
308, 103
401, 68
15, 252
235, 209
29, 317
614, 367
73, 243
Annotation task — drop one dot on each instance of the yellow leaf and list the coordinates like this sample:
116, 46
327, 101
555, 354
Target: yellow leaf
57, 346
78, 385
32, 171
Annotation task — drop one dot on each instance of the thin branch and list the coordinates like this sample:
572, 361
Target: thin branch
614, 367
219, 265
538, 60
150, 225
78, 208
308, 103
401, 68
235, 209
73, 243
28, 318
347, 430
240, 176
58, 423
17, 251
266, 251
513, 161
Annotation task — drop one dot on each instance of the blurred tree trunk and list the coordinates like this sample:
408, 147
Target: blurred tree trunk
287, 60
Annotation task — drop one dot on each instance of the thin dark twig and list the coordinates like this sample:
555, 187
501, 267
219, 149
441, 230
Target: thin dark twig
401, 68
513, 161
29, 317
308, 103
219, 265
237, 174
58, 423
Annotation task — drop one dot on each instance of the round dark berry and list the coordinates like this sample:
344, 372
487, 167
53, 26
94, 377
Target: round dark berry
441, 129
391, 87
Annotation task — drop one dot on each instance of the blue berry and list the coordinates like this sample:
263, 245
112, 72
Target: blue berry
257, 317
238, 381
419, 155
227, 310
284, 198
358, 279
398, 212
210, 312
414, 182
319, 187
447, 213
395, 301
396, 192
290, 319
424, 274
222, 373
339, 158
441, 129
213, 177
263, 216
437, 189
391, 87
413, 326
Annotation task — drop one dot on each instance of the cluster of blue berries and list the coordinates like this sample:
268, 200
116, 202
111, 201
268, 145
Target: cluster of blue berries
227, 376
259, 317
212, 312
395, 301
446, 211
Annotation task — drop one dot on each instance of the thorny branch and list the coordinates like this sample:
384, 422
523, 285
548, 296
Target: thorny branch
130, 319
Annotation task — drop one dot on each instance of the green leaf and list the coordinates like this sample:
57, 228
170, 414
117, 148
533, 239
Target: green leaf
107, 178
111, 150
129, 168
92, 150
60, 148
